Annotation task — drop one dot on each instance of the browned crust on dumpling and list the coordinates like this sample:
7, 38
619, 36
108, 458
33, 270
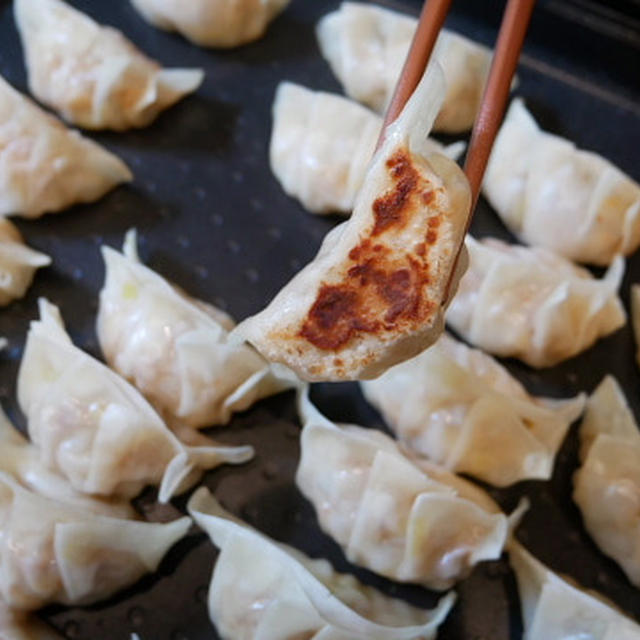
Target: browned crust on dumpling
383, 290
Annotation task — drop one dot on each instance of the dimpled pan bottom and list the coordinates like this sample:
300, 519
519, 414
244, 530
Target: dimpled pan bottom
213, 219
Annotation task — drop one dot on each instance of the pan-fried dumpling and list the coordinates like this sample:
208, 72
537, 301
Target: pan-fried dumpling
175, 349
212, 23
408, 520
321, 145
18, 263
21, 459
532, 304
557, 196
366, 47
43, 165
261, 589
94, 428
18, 625
90, 74
56, 552
635, 317
463, 410
376, 292
553, 609
607, 485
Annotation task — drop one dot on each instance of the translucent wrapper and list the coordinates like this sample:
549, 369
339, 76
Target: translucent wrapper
557, 196
44, 166
95, 429
261, 589
532, 304
212, 23
460, 408
90, 74
406, 519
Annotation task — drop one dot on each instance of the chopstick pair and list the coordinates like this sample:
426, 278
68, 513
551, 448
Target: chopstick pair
494, 100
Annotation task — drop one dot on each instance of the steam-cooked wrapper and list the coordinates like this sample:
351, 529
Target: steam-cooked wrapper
552, 194
460, 408
261, 589
406, 519
56, 552
553, 609
95, 429
90, 74
635, 317
18, 263
366, 47
376, 292
607, 485
532, 304
45, 167
18, 625
174, 348
21, 460
321, 145
212, 23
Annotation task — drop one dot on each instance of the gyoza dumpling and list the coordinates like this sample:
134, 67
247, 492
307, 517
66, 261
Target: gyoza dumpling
552, 194
532, 304
90, 74
174, 348
553, 609
94, 428
321, 145
213, 23
21, 459
635, 317
376, 292
43, 165
18, 263
51, 551
463, 410
607, 485
408, 520
18, 625
366, 47
261, 589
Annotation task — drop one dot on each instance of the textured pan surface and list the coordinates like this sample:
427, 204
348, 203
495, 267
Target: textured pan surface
212, 218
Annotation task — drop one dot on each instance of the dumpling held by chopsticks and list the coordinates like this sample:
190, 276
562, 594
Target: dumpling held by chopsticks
376, 292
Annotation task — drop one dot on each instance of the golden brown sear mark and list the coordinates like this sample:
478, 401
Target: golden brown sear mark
381, 291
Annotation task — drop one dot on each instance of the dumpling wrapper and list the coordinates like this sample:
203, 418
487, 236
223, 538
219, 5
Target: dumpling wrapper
18, 263
635, 317
532, 304
406, 519
175, 349
321, 145
554, 195
262, 589
92, 75
45, 167
375, 293
607, 485
18, 625
95, 429
463, 410
366, 47
51, 551
22, 461
553, 609
212, 23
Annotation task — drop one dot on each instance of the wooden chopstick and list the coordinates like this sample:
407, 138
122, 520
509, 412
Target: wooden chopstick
507, 51
431, 20
496, 93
